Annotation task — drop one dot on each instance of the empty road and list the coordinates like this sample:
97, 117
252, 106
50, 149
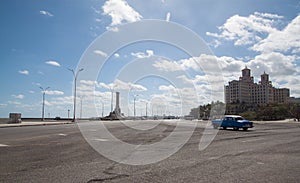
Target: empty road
59, 153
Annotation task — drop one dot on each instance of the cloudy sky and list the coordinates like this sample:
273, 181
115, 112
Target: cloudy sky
42, 40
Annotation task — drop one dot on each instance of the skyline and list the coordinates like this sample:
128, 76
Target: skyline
42, 40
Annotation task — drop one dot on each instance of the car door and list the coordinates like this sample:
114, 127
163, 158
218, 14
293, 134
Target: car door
226, 122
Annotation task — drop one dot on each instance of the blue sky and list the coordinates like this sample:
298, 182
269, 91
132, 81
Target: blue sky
40, 40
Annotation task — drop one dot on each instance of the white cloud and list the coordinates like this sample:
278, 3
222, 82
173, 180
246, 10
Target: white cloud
247, 30
47, 13
95, 10
88, 82
277, 64
53, 63
88, 85
120, 12
106, 86
101, 53
166, 65
282, 40
25, 72
68, 100
114, 29
116, 55
20, 96
205, 63
148, 53
121, 85
14, 103
54, 92
166, 88
168, 16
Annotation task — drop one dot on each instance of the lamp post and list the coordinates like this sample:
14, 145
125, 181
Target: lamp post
134, 99
75, 81
112, 87
146, 110
102, 108
43, 105
81, 107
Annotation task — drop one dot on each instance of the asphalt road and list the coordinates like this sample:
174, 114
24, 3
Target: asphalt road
59, 153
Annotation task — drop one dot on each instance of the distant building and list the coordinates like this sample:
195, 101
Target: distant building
245, 91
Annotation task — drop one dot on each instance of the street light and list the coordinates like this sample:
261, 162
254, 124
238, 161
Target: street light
75, 81
81, 107
112, 97
146, 110
134, 98
102, 108
43, 105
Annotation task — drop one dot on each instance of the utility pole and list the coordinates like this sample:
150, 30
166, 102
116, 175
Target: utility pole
146, 109
43, 105
102, 108
81, 107
134, 99
75, 82
112, 87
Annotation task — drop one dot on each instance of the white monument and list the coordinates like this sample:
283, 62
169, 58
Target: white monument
116, 114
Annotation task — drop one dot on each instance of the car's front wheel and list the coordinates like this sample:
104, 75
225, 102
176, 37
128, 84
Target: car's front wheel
245, 128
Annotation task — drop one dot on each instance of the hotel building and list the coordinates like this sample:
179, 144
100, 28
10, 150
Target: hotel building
246, 91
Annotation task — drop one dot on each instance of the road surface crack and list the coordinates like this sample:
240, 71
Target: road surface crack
119, 176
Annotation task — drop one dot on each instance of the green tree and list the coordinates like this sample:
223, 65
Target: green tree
295, 111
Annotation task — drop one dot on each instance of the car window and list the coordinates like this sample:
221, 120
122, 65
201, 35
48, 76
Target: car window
239, 118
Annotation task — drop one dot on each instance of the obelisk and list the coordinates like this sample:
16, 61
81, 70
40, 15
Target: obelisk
117, 108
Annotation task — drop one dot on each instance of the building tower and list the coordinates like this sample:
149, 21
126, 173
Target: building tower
246, 72
264, 79
246, 75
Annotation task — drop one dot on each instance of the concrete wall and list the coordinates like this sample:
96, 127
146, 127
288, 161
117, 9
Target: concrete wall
4, 120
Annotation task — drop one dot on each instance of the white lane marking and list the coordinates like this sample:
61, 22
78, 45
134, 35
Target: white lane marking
62, 134
213, 158
102, 140
260, 163
251, 140
3, 145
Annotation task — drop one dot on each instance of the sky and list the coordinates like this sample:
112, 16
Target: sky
41, 41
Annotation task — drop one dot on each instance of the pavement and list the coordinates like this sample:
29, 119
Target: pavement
34, 123
269, 152
55, 122
278, 121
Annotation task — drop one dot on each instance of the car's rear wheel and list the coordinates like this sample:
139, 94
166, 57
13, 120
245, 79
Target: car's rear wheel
235, 128
224, 128
245, 128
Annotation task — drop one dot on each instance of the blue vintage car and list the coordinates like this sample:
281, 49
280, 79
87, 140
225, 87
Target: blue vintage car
232, 121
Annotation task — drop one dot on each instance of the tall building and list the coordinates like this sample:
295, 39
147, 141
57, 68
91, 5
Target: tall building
246, 91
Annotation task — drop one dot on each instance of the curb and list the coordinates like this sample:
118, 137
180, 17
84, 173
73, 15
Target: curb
30, 125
